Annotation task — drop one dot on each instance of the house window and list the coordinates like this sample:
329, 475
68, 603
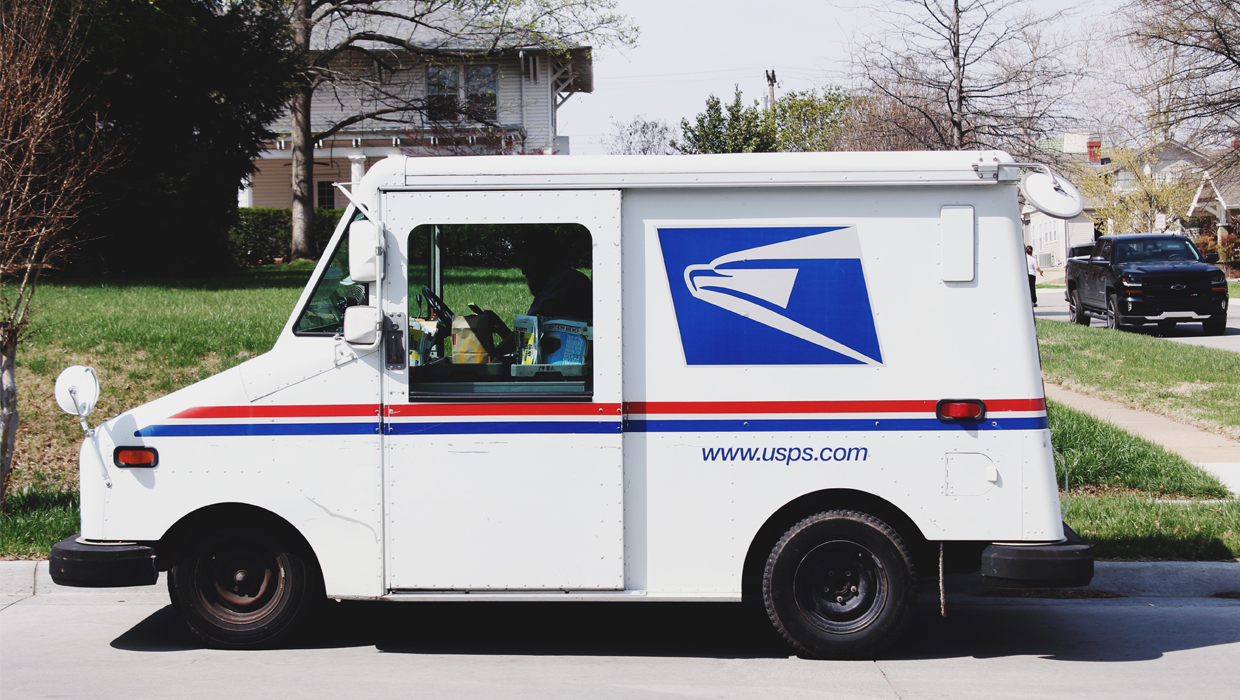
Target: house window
456, 91
326, 195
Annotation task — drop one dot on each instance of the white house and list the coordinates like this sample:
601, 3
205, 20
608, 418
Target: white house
511, 101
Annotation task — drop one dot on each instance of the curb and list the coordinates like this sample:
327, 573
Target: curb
1159, 579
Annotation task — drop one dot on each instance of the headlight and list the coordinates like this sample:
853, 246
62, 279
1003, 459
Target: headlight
1130, 282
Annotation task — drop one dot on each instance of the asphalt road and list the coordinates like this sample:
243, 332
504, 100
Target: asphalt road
92, 646
1053, 307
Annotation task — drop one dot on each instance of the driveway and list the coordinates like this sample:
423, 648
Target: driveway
1053, 307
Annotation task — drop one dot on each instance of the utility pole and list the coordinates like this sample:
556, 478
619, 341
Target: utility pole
770, 84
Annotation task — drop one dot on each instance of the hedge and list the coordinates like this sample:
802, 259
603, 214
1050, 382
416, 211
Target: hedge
263, 234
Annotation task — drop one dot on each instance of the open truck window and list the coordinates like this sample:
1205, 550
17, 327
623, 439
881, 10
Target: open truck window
335, 292
500, 310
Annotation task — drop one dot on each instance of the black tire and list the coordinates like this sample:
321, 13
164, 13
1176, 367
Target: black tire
1076, 311
1166, 326
274, 581
1113, 312
840, 584
1217, 325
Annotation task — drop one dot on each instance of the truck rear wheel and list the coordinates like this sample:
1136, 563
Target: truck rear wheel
840, 584
242, 586
1216, 325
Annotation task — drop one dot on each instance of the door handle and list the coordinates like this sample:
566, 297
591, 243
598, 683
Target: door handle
394, 355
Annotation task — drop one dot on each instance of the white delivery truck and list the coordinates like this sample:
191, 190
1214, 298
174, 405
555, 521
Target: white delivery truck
809, 380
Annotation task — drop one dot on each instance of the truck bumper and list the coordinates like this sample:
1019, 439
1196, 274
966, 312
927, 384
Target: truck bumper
1068, 564
86, 565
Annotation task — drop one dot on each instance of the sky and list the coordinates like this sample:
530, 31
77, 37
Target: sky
689, 49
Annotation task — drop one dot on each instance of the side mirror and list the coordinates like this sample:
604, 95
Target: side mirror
77, 390
365, 259
1211, 257
362, 325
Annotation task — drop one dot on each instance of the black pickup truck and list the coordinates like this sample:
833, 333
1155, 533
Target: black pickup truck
1139, 279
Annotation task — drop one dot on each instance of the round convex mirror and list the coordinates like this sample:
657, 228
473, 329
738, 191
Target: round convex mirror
85, 390
1052, 196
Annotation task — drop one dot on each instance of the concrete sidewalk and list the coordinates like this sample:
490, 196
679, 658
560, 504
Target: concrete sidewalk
1214, 453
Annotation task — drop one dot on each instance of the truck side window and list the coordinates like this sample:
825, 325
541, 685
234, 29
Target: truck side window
1106, 250
335, 292
500, 309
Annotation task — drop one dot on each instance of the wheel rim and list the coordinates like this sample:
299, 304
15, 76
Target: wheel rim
1112, 314
240, 580
840, 587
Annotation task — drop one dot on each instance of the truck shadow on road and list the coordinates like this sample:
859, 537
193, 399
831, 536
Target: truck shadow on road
1078, 630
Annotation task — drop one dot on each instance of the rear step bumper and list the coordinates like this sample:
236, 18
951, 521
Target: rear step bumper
1068, 564
87, 565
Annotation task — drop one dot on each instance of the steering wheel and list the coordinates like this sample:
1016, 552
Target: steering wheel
437, 306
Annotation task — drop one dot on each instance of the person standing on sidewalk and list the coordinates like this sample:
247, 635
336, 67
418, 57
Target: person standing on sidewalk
1032, 264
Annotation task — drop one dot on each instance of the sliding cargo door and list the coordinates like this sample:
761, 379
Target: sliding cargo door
504, 465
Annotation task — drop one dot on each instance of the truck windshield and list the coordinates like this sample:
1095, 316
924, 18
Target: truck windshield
334, 292
1155, 250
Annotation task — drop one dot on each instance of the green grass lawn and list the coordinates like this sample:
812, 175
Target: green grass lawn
1188, 383
35, 519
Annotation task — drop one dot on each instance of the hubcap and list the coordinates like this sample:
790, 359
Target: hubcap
240, 580
840, 587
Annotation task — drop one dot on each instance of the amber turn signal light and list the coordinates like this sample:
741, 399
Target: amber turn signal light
142, 457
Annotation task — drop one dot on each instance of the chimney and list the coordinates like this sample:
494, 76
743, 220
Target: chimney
1094, 148
1235, 143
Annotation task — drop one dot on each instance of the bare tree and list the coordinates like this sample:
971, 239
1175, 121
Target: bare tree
354, 47
640, 136
48, 160
967, 73
1191, 52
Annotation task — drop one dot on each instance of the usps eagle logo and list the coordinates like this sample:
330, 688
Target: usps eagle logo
770, 295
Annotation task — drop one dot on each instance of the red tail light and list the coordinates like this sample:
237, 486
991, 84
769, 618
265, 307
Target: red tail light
957, 410
143, 457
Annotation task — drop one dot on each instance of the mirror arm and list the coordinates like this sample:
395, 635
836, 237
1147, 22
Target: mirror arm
1036, 166
90, 434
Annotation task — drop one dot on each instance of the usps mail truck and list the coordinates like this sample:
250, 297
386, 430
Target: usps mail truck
810, 381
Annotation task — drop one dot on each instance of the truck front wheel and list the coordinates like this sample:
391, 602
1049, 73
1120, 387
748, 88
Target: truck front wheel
1077, 311
840, 584
1113, 312
1216, 325
241, 586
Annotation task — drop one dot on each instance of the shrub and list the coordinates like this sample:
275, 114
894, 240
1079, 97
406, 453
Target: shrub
263, 234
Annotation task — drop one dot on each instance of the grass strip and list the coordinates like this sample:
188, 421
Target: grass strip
1096, 454
1188, 383
1135, 526
35, 519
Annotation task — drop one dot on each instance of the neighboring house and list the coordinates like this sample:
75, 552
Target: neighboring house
517, 92
1052, 239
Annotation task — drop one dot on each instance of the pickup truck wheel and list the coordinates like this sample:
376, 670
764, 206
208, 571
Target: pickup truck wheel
1076, 311
1113, 312
241, 586
840, 584
1217, 325
1166, 326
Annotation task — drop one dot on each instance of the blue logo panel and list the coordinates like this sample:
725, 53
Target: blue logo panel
770, 295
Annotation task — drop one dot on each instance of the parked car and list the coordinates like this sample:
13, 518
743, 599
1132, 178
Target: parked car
1140, 279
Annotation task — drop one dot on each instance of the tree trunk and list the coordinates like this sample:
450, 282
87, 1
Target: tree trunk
8, 409
303, 144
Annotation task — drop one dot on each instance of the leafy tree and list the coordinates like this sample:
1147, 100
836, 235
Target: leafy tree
355, 46
185, 89
640, 136
732, 129
810, 120
966, 74
1130, 192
